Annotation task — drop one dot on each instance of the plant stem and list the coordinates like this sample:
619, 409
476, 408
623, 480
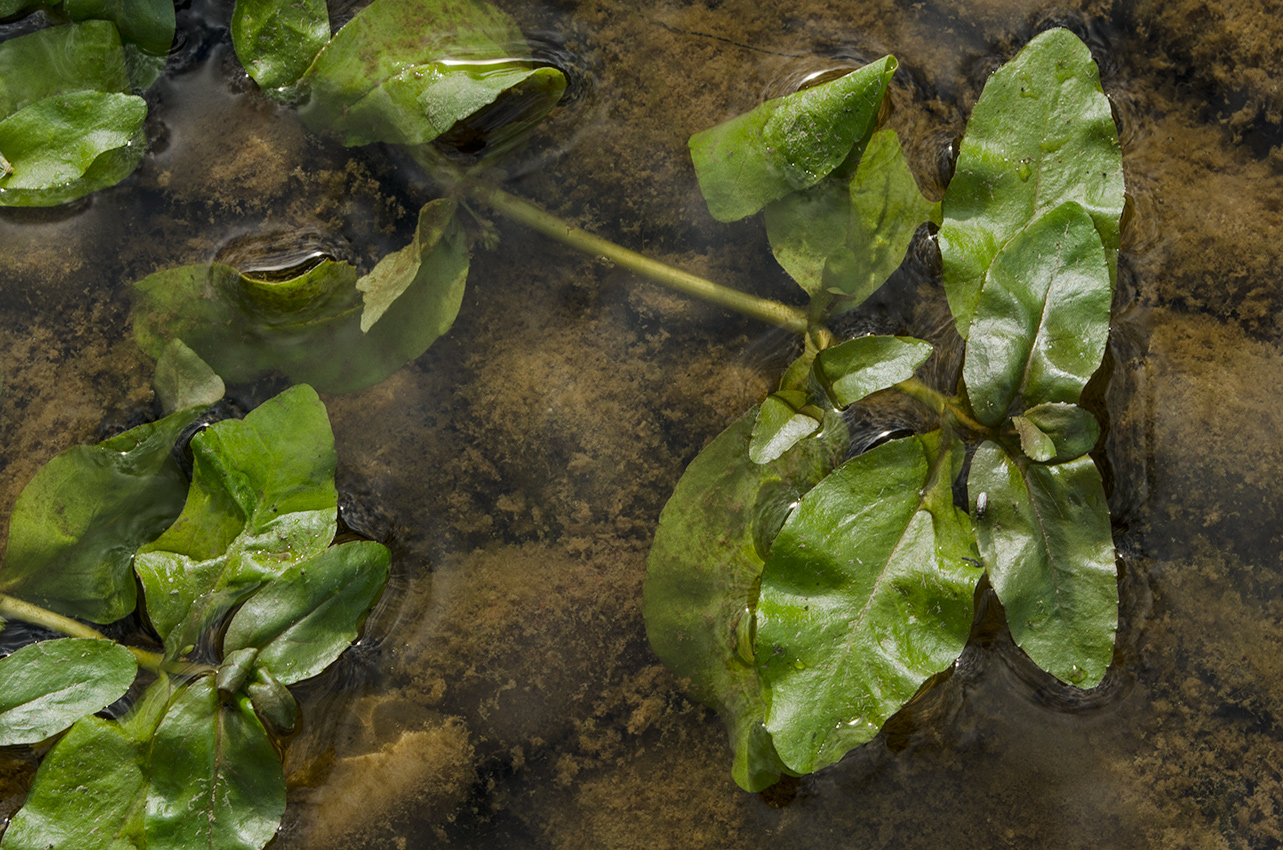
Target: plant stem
773, 312
941, 404
16, 609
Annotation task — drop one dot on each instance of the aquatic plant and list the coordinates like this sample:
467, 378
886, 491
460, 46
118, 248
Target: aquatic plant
241, 582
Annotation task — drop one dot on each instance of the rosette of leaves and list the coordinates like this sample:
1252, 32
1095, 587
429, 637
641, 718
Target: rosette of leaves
70, 123
244, 588
807, 625
325, 326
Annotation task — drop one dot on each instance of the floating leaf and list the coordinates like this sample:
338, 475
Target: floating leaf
303, 621
859, 367
1047, 545
184, 380
1041, 135
76, 526
216, 781
59, 60
849, 236
1071, 430
87, 794
47, 686
783, 419
405, 71
309, 328
866, 595
68, 145
789, 143
1042, 320
262, 499
276, 40
704, 567
147, 23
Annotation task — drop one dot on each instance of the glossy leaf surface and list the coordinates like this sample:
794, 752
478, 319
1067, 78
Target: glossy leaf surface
87, 794
1071, 431
68, 145
789, 143
783, 419
47, 686
309, 328
149, 24
276, 40
703, 570
1042, 320
216, 781
404, 71
1041, 135
849, 236
852, 370
76, 526
866, 594
262, 499
303, 621
1047, 544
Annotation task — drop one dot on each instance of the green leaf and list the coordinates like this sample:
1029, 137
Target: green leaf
789, 143
216, 781
849, 237
68, 145
1041, 135
783, 419
9, 8
1035, 444
60, 60
271, 700
859, 367
703, 570
262, 499
47, 686
149, 24
276, 40
302, 621
310, 328
87, 794
1042, 320
1071, 431
76, 526
866, 595
1048, 547
404, 71
184, 380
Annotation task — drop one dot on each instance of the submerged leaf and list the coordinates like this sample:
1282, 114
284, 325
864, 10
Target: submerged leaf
865, 596
184, 380
405, 71
849, 235
47, 686
262, 499
304, 620
87, 794
703, 570
149, 24
216, 781
276, 40
76, 526
309, 328
1048, 547
1041, 135
1072, 431
59, 60
1042, 320
789, 143
852, 370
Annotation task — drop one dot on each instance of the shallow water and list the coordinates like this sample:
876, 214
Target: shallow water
504, 694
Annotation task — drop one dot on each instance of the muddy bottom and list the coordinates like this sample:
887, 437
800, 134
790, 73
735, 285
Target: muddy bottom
504, 694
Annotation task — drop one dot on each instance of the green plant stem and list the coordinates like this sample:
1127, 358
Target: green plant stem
773, 312
16, 609
941, 404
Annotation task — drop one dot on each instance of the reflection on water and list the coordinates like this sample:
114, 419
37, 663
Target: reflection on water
504, 694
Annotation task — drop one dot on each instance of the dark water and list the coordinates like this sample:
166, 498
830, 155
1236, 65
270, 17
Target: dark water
504, 694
